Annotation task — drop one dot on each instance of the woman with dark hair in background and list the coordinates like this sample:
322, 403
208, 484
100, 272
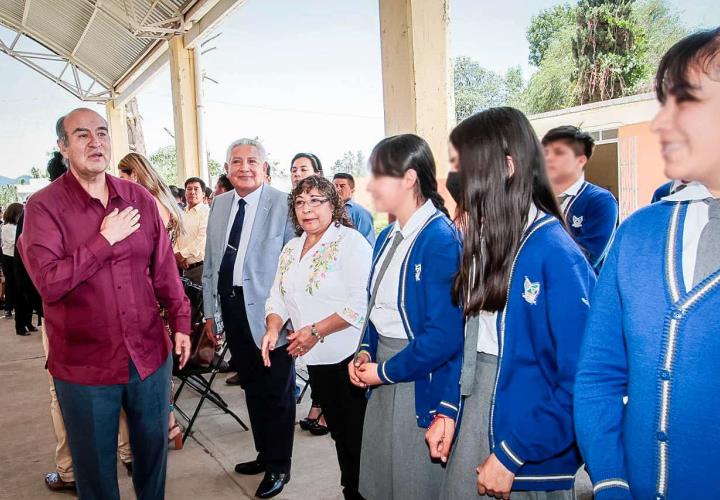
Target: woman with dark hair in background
525, 287
320, 286
412, 344
11, 216
304, 165
223, 185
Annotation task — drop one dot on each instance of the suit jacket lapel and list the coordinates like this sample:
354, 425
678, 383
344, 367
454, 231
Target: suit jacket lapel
224, 218
259, 229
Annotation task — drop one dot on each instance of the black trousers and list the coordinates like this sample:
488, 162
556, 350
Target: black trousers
8, 265
343, 405
269, 392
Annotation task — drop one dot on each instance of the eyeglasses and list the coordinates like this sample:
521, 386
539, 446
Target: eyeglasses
313, 203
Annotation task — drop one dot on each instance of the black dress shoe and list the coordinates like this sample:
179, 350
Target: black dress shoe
272, 484
250, 468
21, 331
31, 328
55, 483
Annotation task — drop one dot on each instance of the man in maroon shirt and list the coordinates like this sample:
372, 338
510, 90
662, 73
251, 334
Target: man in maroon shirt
99, 255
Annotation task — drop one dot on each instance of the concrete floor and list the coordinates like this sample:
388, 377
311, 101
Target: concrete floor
202, 470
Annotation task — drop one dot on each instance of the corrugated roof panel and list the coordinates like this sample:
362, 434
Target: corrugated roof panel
108, 48
13, 10
62, 22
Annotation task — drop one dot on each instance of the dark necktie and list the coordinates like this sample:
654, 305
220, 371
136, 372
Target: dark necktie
227, 266
708, 251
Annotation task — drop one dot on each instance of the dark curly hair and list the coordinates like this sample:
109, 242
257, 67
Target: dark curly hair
327, 190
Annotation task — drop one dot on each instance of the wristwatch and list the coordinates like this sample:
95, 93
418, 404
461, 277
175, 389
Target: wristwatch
314, 332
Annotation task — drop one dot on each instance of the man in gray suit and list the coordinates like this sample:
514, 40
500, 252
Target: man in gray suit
247, 229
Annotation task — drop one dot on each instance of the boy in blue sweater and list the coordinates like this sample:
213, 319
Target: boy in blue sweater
591, 212
646, 396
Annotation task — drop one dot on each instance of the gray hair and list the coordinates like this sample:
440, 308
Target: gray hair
246, 142
60, 130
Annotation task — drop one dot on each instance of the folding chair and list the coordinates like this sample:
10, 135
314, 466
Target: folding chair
200, 378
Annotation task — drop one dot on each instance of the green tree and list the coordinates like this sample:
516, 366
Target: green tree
351, 163
544, 28
551, 86
164, 160
477, 88
610, 49
215, 168
8, 195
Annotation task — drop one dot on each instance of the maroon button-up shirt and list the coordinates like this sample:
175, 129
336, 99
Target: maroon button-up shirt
101, 301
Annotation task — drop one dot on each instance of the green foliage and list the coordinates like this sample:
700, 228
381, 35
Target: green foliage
8, 195
477, 88
544, 28
353, 163
215, 168
609, 48
36, 173
551, 86
164, 160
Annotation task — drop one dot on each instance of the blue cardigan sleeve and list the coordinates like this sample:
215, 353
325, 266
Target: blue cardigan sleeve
547, 428
598, 230
442, 337
600, 387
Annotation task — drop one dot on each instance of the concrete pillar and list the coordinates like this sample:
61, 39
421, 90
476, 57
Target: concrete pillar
185, 111
117, 127
414, 37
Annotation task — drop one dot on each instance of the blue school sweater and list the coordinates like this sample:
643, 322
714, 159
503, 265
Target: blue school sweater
433, 324
650, 340
662, 192
539, 334
592, 216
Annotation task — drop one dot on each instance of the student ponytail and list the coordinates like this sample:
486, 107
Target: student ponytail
395, 155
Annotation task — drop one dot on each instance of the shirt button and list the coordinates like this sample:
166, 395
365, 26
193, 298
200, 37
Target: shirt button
677, 315
665, 375
662, 437
659, 497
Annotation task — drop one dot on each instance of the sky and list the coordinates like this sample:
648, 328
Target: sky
302, 76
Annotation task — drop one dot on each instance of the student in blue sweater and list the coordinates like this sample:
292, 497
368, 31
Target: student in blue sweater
525, 288
590, 211
411, 348
646, 397
667, 189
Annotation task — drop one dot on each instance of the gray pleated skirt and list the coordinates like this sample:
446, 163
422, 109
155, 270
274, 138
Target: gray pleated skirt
472, 446
395, 462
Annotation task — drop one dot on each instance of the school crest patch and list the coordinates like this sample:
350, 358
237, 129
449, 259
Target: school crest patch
532, 290
418, 271
577, 222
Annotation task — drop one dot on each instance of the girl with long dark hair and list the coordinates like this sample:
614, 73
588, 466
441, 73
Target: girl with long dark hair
524, 286
411, 347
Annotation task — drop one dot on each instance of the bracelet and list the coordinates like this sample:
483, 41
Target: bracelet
315, 333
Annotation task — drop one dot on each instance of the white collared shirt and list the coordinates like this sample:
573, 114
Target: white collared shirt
331, 278
571, 192
487, 339
695, 220
251, 206
191, 245
8, 239
385, 315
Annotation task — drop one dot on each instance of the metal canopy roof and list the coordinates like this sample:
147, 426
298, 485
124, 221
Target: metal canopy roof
87, 46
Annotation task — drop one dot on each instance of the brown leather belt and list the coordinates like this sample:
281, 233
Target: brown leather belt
193, 266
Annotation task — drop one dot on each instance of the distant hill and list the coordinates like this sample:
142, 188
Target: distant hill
8, 181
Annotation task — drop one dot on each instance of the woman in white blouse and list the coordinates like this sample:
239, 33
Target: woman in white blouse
321, 288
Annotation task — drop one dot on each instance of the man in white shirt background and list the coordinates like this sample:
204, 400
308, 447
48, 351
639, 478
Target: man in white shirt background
190, 247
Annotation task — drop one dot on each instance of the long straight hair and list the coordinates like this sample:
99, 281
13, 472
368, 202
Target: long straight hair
395, 155
148, 178
496, 201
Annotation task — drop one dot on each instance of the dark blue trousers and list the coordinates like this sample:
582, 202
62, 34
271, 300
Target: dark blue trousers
91, 415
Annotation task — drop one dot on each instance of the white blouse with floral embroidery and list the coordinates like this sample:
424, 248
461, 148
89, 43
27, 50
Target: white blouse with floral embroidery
330, 278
